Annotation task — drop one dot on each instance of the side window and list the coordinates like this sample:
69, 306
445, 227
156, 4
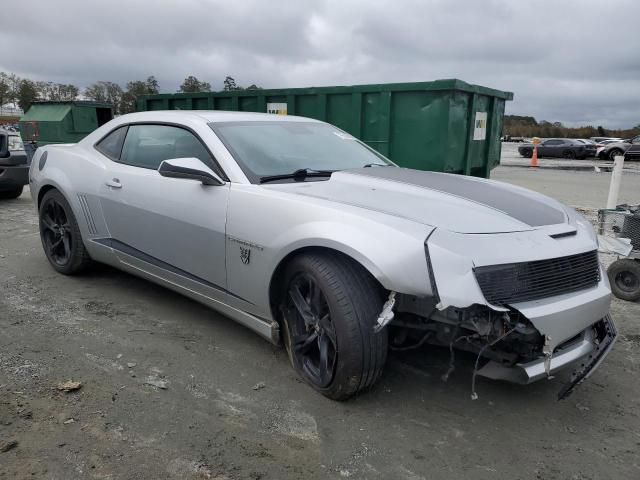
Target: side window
111, 145
636, 140
147, 146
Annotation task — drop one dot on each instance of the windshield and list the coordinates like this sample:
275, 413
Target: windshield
277, 148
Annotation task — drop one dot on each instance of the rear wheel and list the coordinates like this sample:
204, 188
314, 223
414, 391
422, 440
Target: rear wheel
11, 194
330, 307
527, 153
624, 277
569, 154
60, 235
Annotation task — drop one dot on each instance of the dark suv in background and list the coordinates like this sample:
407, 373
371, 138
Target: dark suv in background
14, 167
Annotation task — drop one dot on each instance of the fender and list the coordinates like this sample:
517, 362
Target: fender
390, 248
394, 257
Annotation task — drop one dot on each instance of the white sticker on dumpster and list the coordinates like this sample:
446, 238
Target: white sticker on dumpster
480, 126
277, 108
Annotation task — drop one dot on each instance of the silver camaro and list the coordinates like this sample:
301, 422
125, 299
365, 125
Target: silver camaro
304, 234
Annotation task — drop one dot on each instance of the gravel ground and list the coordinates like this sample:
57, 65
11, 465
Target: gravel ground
173, 390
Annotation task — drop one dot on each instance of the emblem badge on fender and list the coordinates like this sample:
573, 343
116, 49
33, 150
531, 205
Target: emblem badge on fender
245, 255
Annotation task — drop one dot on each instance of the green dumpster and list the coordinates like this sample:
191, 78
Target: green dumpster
63, 122
444, 125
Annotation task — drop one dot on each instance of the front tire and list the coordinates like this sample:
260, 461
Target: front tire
624, 277
330, 306
11, 194
60, 235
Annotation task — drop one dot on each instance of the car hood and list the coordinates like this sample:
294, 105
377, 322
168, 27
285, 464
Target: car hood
454, 202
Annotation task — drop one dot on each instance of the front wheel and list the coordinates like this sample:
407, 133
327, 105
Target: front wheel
60, 235
569, 154
624, 277
330, 306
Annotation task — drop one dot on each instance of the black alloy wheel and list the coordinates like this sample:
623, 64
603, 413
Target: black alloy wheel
313, 339
329, 306
60, 235
56, 232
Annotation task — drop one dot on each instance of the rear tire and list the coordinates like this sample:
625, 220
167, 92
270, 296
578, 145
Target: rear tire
527, 153
624, 277
569, 154
60, 235
11, 194
344, 301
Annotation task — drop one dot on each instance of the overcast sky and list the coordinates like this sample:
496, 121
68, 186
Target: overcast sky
575, 61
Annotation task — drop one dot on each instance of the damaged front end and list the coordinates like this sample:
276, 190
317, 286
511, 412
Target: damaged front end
507, 345
545, 310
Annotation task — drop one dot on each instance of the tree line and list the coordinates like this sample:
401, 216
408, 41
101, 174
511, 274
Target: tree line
24, 91
523, 126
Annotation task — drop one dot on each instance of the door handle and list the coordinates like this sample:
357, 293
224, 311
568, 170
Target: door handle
113, 183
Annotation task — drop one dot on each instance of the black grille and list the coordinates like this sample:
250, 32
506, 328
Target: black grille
521, 282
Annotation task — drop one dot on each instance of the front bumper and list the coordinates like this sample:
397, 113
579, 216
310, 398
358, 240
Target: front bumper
15, 176
587, 352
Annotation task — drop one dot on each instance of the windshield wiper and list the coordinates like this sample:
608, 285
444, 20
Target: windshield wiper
299, 174
376, 165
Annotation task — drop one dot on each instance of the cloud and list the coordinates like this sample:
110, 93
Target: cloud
572, 61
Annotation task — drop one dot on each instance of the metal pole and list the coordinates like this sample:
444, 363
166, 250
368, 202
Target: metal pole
616, 177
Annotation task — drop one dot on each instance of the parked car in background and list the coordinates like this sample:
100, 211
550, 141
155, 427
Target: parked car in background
610, 150
560, 148
602, 139
14, 167
509, 138
304, 234
633, 152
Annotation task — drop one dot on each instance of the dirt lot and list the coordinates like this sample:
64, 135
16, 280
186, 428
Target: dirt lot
233, 408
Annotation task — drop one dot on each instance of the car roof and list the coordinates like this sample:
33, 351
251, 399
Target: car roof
210, 116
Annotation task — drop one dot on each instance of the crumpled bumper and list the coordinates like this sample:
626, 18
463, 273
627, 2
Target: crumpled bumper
586, 352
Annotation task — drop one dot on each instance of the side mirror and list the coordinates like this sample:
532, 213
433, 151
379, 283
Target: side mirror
4, 145
190, 168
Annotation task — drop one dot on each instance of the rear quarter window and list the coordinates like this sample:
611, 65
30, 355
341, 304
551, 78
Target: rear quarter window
111, 145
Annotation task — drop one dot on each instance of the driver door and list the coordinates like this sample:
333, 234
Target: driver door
549, 148
171, 227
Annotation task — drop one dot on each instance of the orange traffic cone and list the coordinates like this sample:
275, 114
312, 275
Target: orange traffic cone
534, 157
